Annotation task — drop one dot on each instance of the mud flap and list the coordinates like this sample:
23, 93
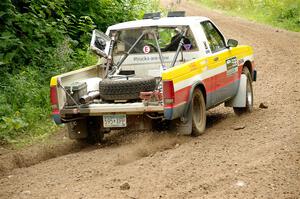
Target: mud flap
77, 129
239, 100
183, 126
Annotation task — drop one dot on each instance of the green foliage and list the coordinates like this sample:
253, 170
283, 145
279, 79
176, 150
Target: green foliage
284, 13
107, 12
32, 30
24, 101
42, 38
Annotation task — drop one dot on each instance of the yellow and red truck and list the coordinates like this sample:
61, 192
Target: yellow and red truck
159, 70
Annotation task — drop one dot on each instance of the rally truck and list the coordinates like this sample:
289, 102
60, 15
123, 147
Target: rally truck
153, 73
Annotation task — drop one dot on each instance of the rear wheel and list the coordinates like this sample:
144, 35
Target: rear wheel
198, 109
249, 95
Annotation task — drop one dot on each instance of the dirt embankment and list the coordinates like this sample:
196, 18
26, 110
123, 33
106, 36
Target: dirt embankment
57, 145
261, 160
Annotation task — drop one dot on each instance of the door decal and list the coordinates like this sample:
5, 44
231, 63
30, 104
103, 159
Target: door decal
232, 66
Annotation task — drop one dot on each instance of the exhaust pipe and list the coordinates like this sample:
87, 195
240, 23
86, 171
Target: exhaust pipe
89, 97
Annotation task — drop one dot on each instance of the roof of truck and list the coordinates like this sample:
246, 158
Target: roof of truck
166, 21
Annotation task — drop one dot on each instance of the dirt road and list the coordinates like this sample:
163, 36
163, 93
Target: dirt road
260, 161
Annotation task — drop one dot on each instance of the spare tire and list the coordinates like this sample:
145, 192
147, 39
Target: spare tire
125, 88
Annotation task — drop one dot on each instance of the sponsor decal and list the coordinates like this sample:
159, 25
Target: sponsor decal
232, 66
146, 49
149, 58
187, 47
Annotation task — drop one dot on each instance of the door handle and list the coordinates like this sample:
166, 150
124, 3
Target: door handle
216, 58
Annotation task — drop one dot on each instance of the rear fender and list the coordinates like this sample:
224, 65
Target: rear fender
184, 125
200, 85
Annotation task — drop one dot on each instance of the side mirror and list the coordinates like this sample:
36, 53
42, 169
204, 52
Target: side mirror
232, 43
100, 43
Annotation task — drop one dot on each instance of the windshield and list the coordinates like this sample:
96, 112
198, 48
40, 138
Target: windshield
168, 39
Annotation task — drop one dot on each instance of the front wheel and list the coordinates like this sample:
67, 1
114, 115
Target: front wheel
249, 95
198, 109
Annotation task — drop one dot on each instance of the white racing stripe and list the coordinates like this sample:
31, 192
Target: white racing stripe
201, 77
207, 74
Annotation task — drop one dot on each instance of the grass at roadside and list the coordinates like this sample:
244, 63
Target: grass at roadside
25, 104
284, 14
39, 133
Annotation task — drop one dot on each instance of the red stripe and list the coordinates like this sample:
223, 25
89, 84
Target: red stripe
211, 84
221, 80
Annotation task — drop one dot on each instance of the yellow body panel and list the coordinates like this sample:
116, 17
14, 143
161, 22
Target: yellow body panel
53, 81
197, 66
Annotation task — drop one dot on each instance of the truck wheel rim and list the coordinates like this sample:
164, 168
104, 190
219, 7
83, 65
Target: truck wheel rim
197, 117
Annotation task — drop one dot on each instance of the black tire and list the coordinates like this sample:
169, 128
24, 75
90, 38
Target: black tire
249, 97
125, 89
198, 109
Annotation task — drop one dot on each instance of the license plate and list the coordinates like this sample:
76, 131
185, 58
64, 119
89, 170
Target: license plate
110, 121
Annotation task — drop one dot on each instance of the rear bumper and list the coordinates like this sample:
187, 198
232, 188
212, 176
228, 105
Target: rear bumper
57, 119
137, 108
